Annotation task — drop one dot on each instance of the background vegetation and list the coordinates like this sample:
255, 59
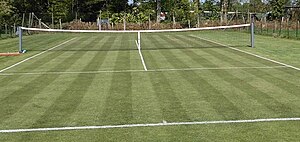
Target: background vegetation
183, 12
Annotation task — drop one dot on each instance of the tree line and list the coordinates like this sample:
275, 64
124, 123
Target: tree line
12, 11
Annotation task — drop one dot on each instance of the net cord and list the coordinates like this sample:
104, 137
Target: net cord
135, 31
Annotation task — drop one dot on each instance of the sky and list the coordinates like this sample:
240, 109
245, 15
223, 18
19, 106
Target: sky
130, 1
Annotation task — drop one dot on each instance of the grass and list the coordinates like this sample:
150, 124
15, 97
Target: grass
54, 95
5, 36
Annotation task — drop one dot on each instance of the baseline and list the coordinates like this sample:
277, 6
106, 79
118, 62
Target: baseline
164, 123
258, 56
35, 55
126, 71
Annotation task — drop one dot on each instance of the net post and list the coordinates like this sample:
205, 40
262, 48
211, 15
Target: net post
252, 29
20, 33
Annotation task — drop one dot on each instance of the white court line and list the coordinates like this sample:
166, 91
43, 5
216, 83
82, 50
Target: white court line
125, 71
258, 56
218, 68
141, 55
35, 56
164, 123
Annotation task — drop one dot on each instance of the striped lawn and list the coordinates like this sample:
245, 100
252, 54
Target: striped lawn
44, 100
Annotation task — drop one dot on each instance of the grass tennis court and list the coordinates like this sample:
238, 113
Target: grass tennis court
100, 80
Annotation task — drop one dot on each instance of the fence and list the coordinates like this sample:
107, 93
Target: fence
7, 31
283, 28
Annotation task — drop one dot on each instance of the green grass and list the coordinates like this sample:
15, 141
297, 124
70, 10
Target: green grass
56, 96
4, 36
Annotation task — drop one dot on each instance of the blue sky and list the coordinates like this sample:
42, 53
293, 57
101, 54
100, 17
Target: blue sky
130, 1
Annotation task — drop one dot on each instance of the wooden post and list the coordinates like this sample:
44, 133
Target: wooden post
124, 22
40, 23
6, 32
236, 16
149, 22
52, 18
275, 27
174, 20
108, 24
189, 23
261, 27
31, 24
10, 31
198, 20
23, 19
288, 27
60, 25
280, 25
249, 16
14, 28
29, 19
297, 29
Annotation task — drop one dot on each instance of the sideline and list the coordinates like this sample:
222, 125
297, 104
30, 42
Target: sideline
7, 68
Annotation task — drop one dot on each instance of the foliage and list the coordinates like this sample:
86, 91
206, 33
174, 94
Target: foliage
6, 11
135, 16
278, 8
117, 6
212, 6
140, 11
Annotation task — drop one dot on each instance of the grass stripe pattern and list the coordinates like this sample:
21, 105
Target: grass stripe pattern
98, 80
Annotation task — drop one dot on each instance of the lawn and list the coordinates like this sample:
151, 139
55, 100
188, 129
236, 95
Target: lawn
99, 80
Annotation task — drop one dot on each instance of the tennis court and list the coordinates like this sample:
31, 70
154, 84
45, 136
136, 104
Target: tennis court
76, 80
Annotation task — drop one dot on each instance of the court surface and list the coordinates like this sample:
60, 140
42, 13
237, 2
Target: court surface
103, 80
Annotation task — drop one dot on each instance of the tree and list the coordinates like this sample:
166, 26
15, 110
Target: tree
6, 10
224, 8
88, 10
197, 11
197, 5
278, 8
117, 6
145, 7
39, 7
158, 10
60, 9
211, 5
257, 6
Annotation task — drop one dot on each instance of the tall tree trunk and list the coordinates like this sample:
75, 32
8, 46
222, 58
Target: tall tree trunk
197, 11
224, 11
158, 10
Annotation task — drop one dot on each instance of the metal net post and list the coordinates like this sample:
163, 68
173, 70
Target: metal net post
252, 29
20, 33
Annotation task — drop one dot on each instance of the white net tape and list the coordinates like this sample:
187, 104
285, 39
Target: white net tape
135, 31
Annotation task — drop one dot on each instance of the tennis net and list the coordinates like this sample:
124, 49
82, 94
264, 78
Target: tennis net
34, 39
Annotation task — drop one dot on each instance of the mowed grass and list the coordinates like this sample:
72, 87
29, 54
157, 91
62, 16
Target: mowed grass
64, 88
